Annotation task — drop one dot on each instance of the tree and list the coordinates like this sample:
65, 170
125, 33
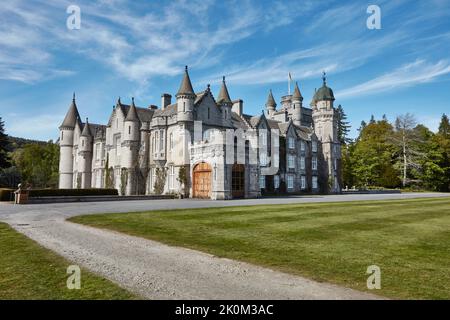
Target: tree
371, 156
38, 164
4, 146
407, 140
444, 127
343, 126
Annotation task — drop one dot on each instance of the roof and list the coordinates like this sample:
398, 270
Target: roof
238, 121
132, 112
324, 93
168, 111
186, 85
297, 94
86, 130
270, 100
72, 115
224, 96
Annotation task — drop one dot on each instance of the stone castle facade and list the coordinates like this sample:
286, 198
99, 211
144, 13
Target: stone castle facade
205, 147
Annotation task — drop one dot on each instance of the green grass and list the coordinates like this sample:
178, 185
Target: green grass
334, 242
29, 271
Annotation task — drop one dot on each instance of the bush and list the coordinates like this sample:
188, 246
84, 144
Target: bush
72, 192
6, 194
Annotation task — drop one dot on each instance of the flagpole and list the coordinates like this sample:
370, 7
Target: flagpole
289, 83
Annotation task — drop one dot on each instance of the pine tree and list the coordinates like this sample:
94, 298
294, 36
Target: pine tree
444, 126
4, 144
343, 126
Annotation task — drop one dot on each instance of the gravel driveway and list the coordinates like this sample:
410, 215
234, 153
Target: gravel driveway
157, 271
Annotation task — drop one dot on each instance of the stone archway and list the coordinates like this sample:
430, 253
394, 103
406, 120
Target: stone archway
202, 181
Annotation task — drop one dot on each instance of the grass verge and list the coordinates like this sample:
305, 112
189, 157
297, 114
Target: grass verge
334, 242
29, 271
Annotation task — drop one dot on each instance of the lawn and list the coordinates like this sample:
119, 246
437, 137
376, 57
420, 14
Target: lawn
334, 242
29, 271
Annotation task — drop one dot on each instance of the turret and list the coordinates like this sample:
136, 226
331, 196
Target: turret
325, 127
224, 101
66, 146
271, 104
297, 104
185, 99
85, 156
131, 124
129, 157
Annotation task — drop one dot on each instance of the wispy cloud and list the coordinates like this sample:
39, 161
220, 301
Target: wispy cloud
407, 75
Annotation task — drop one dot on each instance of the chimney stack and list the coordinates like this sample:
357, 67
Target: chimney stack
166, 99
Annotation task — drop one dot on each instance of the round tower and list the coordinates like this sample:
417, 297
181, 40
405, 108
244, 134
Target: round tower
325, 127
185, 99
66, 135
129, 156
271, 104
85, 156
297, 104
224, 101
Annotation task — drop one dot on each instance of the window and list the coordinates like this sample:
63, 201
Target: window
62, 135
314, 163
302, 163
276, 182
97, 151
314, 182
161, 141
335, 164
82, 142
291, 143
314, 146
290, 181
303, 182
262, 182
171, 177
291, 161
263, 136
208, 113
302, 146
129, 129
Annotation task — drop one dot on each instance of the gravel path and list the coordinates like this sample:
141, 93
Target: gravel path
157, 271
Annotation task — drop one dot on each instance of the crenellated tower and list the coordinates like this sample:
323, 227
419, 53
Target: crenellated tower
325, 127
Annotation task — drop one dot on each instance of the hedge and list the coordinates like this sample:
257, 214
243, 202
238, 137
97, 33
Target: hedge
72, 192
6, 194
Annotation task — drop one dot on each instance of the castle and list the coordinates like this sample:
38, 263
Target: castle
205, 147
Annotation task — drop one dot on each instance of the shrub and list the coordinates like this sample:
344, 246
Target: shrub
6, 194
72, 192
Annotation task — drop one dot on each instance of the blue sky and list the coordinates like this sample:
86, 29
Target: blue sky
139, 48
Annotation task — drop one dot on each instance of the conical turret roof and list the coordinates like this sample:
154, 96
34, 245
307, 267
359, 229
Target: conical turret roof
132, 112
270, 100
186, 85
224, 96
72, 115
86, 130
297, 94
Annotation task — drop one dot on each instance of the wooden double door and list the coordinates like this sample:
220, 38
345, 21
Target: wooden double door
238, 181
202, 181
